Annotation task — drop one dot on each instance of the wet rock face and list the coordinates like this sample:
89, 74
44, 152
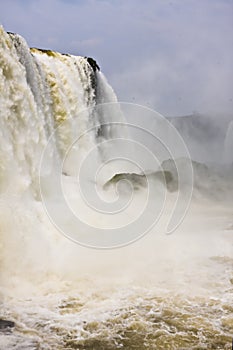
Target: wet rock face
93, 63
4, 324
95, 67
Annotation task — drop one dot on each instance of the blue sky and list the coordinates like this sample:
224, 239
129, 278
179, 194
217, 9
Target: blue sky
173, 56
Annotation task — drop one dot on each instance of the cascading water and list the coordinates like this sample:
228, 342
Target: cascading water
40, 89
163, 292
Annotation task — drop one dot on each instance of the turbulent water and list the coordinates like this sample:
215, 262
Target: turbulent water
160, 292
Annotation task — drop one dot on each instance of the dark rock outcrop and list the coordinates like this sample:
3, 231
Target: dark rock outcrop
141, 180
4, 324
93, 63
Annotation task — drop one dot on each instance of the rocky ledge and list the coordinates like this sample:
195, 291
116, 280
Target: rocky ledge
4, 324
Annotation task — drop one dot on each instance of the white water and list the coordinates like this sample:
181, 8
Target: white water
49, 285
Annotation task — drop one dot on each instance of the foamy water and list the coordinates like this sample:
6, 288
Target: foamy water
164, 292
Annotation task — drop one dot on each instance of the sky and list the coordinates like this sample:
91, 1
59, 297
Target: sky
173, 56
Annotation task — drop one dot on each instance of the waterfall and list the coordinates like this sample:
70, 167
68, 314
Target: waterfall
40, 90
45, 97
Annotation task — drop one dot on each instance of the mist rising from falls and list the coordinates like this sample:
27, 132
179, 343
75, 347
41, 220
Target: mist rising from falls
44, 91
228, 145
208, 137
